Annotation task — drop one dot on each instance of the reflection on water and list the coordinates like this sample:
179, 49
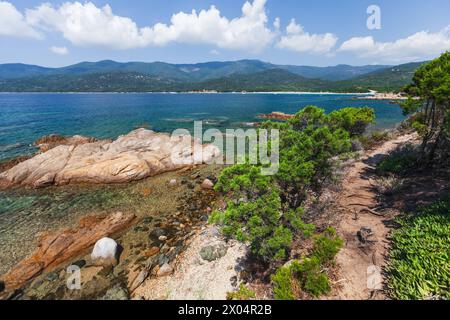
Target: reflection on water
24, 118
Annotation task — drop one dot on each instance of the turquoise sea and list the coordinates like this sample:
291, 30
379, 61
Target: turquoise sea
25, 117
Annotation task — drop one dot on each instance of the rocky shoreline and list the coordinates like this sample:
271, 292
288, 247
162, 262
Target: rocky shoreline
150, 245
140, 154
162, 213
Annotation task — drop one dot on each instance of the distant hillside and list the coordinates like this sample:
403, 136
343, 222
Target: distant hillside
96, 82
390, 79
269, 80
243, 75
19, 70
335, 73
186, 72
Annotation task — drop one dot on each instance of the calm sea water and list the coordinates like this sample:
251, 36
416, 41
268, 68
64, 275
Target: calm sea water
27, 117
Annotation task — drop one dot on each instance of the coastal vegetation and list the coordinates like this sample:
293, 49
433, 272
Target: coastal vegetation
308, 274
429, 103
419, 258
266, 211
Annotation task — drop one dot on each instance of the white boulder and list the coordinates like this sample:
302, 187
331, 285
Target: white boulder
105, 252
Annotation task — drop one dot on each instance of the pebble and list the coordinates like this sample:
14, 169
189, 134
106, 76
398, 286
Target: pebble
207, 184
52, 276
139, 279
165, 270
162, 238
80, 263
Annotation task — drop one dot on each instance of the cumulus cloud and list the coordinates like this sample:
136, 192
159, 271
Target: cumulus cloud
297, 39
62, 51
12, 22
88, 25
277, 24
421, 45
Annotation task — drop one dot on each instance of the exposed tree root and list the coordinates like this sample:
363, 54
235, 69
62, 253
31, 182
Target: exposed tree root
372, 212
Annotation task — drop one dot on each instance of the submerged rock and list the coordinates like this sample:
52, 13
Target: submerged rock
138, 155
105, 252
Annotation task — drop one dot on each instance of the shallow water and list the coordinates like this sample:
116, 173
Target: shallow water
25, 213
24, 118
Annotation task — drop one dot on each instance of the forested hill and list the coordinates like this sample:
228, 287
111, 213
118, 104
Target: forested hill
244, 75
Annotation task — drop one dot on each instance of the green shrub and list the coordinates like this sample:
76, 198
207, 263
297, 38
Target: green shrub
243, 293
326, 246
317, 284
374, 139
254, 213
305, 276
283, 288
311, 277
266, 211
419, 266
389, 185
399, 161
353, 120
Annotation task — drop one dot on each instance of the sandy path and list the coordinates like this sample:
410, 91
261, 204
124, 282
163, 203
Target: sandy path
360, 265
195, 278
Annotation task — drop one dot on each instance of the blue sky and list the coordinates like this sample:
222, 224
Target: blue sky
324, 32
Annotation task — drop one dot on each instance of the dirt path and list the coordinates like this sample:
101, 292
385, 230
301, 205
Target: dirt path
195, 278
360, 263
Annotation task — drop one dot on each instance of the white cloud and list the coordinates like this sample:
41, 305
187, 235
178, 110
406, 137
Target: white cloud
12, 22
87, 25
214, 52
277, 24
297, 39
421, 45
62, 51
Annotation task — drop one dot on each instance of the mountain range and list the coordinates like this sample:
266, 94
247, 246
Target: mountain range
243, 75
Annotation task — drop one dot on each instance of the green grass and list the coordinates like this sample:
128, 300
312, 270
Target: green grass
420, 258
